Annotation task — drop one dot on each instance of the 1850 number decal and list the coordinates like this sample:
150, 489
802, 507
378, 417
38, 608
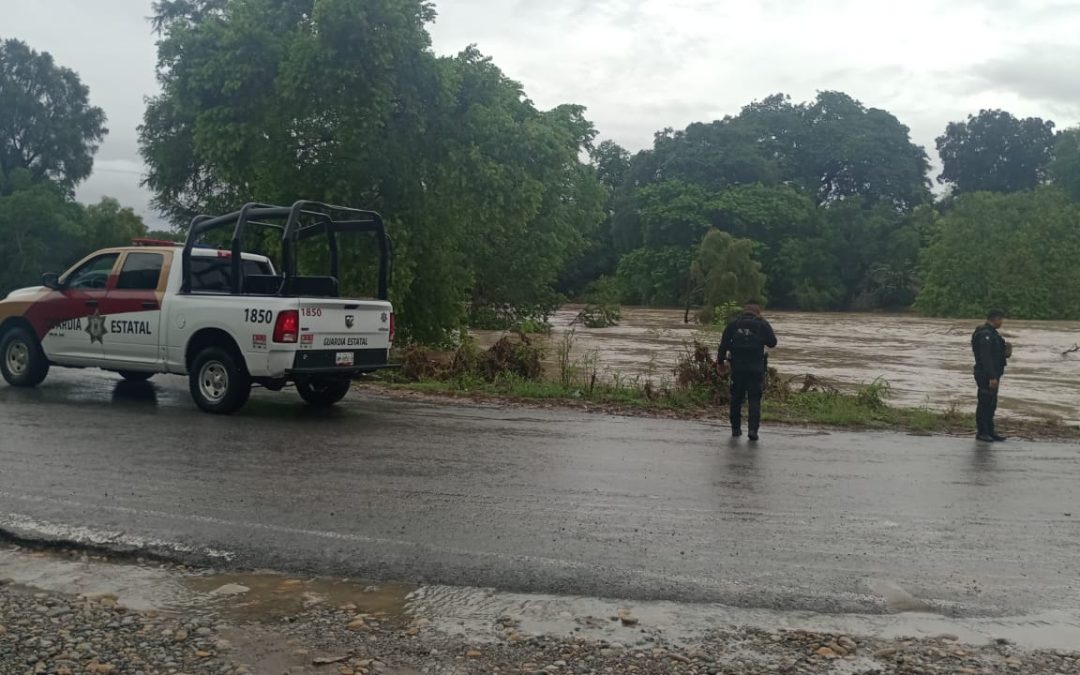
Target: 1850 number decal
258, 316
311, 311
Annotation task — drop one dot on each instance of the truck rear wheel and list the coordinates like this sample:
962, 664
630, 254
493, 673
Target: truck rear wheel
22, 361
323, 393
218, 382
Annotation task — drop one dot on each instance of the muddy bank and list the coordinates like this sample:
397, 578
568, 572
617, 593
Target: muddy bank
160, 618
927, 361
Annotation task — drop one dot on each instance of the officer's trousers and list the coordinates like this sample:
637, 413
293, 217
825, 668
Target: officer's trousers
987, 408
746, 385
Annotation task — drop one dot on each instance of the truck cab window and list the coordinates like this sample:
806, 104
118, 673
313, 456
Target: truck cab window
93, 274
141, 272
214, 275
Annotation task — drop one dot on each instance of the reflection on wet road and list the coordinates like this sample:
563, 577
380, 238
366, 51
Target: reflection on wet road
927, 361
546, 501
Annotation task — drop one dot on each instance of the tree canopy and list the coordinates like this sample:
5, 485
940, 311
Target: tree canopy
1016, 251
823, 190
726, 270
43, 230
47, 126
485, 195
995, 152
1064, 169
49, 133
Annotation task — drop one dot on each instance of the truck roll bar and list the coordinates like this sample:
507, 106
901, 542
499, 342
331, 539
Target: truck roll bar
303, 220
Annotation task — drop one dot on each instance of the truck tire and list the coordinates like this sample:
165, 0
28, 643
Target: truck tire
135, 375
22, 361
218, 382
323, 393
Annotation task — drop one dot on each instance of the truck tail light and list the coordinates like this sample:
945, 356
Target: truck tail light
287, 328
393, 327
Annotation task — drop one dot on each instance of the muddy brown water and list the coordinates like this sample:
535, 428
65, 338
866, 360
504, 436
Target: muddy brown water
927, 362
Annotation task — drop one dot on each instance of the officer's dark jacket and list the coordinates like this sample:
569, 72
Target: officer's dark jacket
745, 359
989, 349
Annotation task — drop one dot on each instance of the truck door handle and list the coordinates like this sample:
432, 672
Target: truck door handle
149, 305
92, 303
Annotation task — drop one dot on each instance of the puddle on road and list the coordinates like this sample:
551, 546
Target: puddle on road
250, 597
484, 614
139, 587
926, 361
272, 597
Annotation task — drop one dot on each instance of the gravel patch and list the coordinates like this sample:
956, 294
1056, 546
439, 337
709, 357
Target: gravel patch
64, 635
67, 635
370, 644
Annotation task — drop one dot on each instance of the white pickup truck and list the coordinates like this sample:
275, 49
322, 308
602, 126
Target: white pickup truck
224, 318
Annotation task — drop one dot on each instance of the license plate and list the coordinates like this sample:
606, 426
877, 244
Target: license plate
344, 358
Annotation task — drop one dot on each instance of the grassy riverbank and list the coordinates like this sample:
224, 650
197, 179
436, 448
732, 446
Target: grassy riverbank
832, 410
511, 372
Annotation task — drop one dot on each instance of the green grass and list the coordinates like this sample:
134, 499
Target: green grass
854, 410
866, 408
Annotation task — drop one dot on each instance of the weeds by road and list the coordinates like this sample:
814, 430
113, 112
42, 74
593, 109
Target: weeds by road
510, 373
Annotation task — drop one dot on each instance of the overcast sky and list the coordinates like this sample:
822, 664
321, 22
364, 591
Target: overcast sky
642, 65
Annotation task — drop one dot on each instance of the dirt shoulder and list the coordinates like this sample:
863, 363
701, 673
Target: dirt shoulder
57, 633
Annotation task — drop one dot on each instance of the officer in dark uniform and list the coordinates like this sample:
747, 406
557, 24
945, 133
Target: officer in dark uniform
745, 339
992, 352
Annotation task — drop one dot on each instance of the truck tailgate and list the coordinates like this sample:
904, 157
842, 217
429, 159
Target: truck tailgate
356, 331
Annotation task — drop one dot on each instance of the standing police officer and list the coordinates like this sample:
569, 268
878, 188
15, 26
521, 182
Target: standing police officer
745, 339
992, 352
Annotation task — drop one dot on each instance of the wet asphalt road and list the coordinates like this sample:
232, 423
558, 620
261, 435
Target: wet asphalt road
547, 501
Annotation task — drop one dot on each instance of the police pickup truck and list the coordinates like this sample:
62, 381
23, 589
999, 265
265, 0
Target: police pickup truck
225, 318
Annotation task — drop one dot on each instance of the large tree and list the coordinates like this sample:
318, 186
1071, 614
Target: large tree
47, 126
771, 216
713, 156
1064, 170
598, 256
824, 188
612, 162
1016, 251
40, 231
343, 101
848, 151
995, 152
107, 223
726, 271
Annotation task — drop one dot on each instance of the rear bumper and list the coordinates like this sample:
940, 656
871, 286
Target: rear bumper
334, 362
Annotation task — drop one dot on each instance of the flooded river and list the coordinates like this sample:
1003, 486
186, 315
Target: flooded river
927, 362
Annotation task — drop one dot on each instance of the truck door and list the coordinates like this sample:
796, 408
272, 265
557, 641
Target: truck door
69, 320
133, 310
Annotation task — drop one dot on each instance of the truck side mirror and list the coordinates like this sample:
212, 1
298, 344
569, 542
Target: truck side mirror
51, 280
